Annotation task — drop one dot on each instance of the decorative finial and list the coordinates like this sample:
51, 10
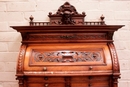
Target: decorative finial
50, 13
102, 20
83, 13
31, 18
102, 17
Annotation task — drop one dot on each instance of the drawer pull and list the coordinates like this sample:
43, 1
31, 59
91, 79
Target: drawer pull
45, 78
90, 77
90, 67
46, 85
44, 69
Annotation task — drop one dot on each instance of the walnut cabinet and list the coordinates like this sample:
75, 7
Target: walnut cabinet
67, 52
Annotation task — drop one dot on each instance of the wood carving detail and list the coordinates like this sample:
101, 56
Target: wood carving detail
114, 58
110, 35
21, 58
66, 56
67, 14
67, 7
67, 52
66, 11
67, 37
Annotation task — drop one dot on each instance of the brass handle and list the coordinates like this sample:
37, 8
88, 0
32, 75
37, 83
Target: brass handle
44, 68
46, 85
90, 67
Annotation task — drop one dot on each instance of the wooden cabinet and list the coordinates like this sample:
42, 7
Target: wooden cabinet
67, 52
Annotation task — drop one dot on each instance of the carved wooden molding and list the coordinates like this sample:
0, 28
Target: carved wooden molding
21, 59
114, 58
36, 37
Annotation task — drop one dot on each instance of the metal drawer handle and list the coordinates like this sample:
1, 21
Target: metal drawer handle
90, 67
46, 85
44, 69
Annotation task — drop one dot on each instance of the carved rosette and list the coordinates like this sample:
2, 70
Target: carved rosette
114, 58
21, 59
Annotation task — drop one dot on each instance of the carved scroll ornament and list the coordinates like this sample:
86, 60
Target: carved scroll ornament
64, 56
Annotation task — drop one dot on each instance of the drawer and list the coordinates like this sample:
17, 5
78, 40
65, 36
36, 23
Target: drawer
99, 84
45, 79
99, 78
79, 84
90, 78
34, 81
90, 84
45, 85
90, 81
76, 81
35, 85
79, 79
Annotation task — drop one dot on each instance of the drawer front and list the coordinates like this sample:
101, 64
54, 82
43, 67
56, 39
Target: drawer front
90, 85
67, 57
90, 81
90, 78
83, 81
45, 85
45, 79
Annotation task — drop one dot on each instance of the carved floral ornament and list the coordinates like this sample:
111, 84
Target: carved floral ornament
67, 15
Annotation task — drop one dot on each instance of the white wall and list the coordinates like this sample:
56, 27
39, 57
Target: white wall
17, 12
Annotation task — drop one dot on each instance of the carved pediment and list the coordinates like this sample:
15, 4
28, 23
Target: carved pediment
67, 8
67, 15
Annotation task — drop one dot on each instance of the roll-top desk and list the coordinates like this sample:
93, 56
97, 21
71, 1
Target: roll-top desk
67, 52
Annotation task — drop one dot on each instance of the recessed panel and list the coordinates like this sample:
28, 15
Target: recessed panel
67, 55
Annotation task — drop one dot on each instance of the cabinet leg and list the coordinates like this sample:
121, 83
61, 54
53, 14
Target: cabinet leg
115, 81
21, 81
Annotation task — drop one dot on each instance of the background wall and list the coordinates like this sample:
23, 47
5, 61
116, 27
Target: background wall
17, 12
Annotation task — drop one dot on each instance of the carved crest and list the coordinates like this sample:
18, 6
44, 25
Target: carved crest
66, 7
66, 14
